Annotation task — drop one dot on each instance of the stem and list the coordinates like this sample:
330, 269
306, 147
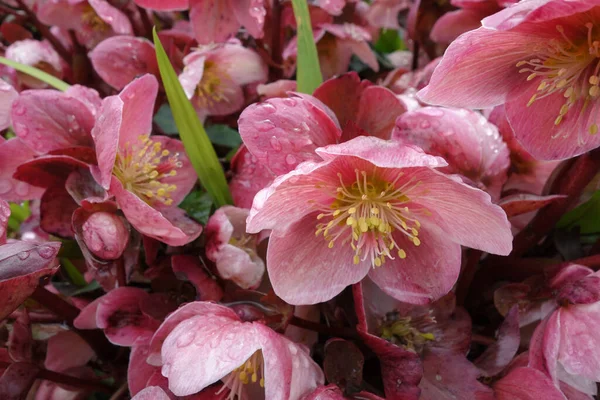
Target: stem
342, 332
95, 338
45, 31
415, 56
467, 275
121, 275
120, 392
64, 379
276, 72
145, 22
481, 339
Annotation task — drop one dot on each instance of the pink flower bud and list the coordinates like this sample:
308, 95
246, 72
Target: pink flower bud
105, 235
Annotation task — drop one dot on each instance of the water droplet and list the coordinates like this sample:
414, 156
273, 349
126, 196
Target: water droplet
19, 109
289, 102
438, 377
70, 118
185, 339
22, 188
268, 107
24, 255
293, 349
46, 252
425, 124
5, 187
21, 130
290, 159
275, 143
265, 126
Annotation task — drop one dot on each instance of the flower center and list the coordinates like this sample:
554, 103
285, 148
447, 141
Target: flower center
252, 371
142, 166
92, 20
212, 86
367, 214
567, 68
406, 332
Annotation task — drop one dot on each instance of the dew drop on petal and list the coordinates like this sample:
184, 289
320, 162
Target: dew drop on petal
275, 143
23, 255
46, 252
290, 159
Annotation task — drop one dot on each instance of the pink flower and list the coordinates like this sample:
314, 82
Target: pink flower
336, 43
202, 343
370, 203
40, 55
470, 144
565, 345
232, 249
120, 59
543, 65
214, 77
92, 20
384, 13
217, 20
148, 176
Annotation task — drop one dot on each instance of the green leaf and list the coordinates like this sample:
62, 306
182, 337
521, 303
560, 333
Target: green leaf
308, 73
585, 216
197, 144
36, 73
224, 135
72, 272
198, 206
389, 41
165, 121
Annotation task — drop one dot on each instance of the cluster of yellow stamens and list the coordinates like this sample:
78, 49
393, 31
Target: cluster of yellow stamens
212, 88
92, 20
407, 332
252, 371
567, 67
367, 214
142, 166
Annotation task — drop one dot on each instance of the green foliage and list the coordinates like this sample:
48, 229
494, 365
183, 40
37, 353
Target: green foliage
586, 217
308, 74
36, 73
389, 41
197, 144
198, 205
224, 136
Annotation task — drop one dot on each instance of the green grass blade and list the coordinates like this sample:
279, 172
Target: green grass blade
308, 72
197, 144
36, 73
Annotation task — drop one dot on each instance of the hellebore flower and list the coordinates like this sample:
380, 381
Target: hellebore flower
232, 249
216, 20
202, 343
565, 344
375, 207
38, 54
384, 13
213, 77
545, 65
470, 144
92, 20
148, 175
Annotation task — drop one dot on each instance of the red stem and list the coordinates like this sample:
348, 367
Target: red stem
64, 379
276, 71
121, 275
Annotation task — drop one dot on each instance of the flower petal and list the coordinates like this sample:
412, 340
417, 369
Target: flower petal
212, 20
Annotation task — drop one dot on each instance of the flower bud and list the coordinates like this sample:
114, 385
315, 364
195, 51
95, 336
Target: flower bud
105, 235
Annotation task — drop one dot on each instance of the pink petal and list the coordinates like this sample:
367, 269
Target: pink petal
186, 177
174, 229
249, 177
88, 96
20, 341
498, 355
22, 264
471, 60
518, 204
17, 380
204, 349
138, 108
290, 372
251, 15
67, 350
189, 268
120, 59
212, 20
427, 273
451, 25
231, 58
106, 137
447, 199
334, 7
342, 95
525, 383
578, 336
118, 21
185, 312
192, 74
281, 133
164, 5
138, 370
382, 153
14, 152
379, 108
545, 345
56, 210
47, 171
300, 267
363, 51
4, 214
151, 392
7, 96
47, 120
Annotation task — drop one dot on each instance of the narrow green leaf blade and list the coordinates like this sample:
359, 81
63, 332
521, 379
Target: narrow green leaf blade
197, 144
308, 72
36, 73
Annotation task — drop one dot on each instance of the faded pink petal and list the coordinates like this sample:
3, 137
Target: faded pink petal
451, 25
174, 229
333, 7
38, 54
498, 355
151, 393
251, 15
384, 13
22, 264
276, 89
164, 5
118, 21
47, 120
281, 133
67, 350
120, 59
525, 383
